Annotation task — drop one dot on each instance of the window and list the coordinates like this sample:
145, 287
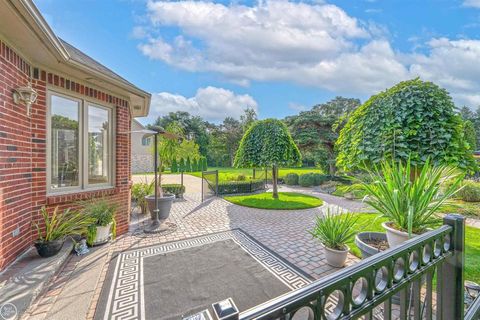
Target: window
80, 144
145, 141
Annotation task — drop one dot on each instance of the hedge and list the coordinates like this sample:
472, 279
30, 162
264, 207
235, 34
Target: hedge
306, 180
177, 189
291, 179
232, 187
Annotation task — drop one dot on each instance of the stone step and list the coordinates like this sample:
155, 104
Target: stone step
23, 281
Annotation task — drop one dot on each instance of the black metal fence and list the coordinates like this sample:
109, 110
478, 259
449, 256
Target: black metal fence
209, 184
420, 279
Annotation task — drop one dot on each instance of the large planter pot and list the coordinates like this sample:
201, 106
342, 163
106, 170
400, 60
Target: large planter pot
363, 239
164, 205
103, 234
336, 258
395, 237
50, 248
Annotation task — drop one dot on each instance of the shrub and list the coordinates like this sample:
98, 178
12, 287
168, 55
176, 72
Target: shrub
470, 191
306, 180
291, 179
410, 203
177, 189
319, 179
139, 192
241, 177
181, 165
232, 187
103, 213
188, 165
350, 191
335, 229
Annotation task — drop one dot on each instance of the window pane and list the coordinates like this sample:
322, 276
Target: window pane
64, 142
98, 145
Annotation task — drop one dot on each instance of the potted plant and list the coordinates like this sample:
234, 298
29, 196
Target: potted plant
334, 230
370, 243
53, 229
410, 197
139, 193
103, 225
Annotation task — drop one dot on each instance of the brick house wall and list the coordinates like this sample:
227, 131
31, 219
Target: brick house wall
23, 156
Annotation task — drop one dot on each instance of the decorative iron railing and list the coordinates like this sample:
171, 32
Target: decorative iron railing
420, 279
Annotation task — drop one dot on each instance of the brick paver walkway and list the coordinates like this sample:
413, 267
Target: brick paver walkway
284, 232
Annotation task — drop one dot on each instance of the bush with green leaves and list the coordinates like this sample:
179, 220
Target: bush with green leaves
291, 179
335, 229
188, 165
58, 225
306, 180
413, 120
470, 191
181, 165
103, 213
241, 177
139, 191
319, 178
177, 189
410, 197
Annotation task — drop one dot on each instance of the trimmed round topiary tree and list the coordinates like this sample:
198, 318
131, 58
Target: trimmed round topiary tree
268, 143
413, 119
306, 180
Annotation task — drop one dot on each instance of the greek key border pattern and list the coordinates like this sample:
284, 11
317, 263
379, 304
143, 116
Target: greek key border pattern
125, 300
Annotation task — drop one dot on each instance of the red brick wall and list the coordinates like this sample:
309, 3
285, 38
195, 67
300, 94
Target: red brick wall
23, 188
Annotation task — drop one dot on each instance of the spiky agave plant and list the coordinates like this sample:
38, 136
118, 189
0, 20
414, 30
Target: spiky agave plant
334, 229
410, 197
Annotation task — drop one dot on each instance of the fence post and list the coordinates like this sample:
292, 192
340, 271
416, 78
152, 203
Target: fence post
181, 178
452, 291
253, 173
202, 185
216, 183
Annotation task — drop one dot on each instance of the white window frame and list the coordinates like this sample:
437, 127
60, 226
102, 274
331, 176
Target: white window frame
83, 146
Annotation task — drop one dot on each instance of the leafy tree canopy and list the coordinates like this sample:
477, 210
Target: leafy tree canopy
315, 131
412, 119
267, 143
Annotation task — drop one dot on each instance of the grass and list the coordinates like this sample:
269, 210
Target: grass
231, 174
372, 222
469, 209
285, 201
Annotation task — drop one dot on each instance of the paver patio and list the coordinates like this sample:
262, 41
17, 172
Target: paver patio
284, 232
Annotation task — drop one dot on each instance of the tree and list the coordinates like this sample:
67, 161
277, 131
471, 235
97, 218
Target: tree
181, 165
174, 167
204, 164
195, 165
248, 117
268, 143
188, 165
470, 134
414, 119
316, 131
474, 118
194, 127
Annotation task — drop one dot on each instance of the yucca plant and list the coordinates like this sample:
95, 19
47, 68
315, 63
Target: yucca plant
335, 229
409, 197
139, 192
59, 225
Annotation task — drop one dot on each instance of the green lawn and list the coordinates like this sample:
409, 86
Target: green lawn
231, 174
469, 209
372, 222
285, 201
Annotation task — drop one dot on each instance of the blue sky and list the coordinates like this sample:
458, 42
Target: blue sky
216, 58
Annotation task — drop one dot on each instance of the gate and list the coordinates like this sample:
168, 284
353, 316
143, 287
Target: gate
209, 184
261, 174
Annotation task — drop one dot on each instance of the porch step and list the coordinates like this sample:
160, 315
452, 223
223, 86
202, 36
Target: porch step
23, 281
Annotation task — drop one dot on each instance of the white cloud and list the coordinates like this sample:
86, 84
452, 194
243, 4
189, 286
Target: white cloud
471, 3
211, 103
313, 44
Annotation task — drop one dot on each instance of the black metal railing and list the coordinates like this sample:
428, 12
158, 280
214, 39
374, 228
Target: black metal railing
209, 184
420, 279
473, 312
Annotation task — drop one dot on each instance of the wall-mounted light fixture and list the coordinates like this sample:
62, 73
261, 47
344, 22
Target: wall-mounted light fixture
25, 95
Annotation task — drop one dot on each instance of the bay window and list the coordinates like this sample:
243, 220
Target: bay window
79, 144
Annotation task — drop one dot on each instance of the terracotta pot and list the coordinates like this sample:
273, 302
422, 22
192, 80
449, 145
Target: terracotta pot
395, 237
49, 248
336, 258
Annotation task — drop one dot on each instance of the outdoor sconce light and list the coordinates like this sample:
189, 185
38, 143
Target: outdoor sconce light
25, 95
